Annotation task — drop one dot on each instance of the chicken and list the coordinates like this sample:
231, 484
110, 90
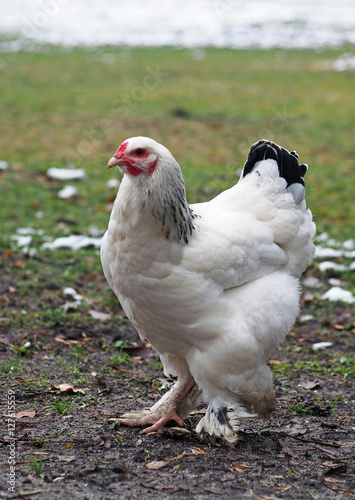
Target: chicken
212, 286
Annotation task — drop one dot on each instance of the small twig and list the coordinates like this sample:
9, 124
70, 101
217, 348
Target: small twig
22, 493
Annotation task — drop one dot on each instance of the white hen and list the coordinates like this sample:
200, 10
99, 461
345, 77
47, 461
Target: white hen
213, 286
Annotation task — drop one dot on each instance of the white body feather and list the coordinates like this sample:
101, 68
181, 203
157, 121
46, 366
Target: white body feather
219, 305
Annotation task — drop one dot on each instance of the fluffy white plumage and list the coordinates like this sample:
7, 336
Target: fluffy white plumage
213, 286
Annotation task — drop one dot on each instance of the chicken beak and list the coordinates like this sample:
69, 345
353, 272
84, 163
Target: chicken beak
113, 162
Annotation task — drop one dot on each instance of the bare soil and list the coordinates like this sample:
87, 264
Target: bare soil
67, 446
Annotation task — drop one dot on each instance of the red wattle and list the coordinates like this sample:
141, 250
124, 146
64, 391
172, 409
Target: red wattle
132, 170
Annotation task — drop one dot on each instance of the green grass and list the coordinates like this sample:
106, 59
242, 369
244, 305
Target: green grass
59, 107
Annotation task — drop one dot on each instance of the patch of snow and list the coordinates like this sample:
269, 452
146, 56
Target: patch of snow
113, 183
323, 253
327, 265
75, 242
67, 192
312, 282
3, 165
29, 230
66, 174
337, 294
349, 244
352, 266
345, 62
22, 241
321, 345
322, 237
73, 293
334, 282
198, 23
350, 254
306, 317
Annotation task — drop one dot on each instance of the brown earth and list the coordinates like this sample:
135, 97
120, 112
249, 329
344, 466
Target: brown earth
67, 446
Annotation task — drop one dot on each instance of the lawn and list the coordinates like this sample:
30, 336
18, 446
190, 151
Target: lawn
61, 107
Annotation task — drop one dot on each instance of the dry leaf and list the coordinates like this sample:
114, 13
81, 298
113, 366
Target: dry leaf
99, 315
332, 479
25, 413
197, 451
67, 388
70, 445
287, 451
67, 458
67, 342
337, 469
310, 385
156, 464
241, 467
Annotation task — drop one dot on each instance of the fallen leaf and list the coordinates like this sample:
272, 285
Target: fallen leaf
287, 451
70, 445
25, 413
6, 254
67, 388
99, 315
143, 350
197, 451
331, 479
67, 342
106, 441
156, 464
337, 469
19, 264
67, 458
241, 467
310, 385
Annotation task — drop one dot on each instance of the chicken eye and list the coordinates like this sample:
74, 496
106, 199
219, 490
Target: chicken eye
139, 151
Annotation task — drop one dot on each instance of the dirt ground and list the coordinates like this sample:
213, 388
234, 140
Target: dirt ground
65, 444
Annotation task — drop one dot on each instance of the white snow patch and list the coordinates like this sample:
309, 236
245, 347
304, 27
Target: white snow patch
337, 294
3, 165
323, 253
197, 23
29, 230
22, 241
312, 282
344, 62
67, 192
327, 265
75, 242
66, 174
73, 293
334, 282
113, 183
306, 317
349, 244
321, 345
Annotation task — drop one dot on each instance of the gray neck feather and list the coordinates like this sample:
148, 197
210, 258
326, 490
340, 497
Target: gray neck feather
166, 199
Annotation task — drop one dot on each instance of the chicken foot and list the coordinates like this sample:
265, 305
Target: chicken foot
164, 410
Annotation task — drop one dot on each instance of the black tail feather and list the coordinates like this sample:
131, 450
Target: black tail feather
287, 161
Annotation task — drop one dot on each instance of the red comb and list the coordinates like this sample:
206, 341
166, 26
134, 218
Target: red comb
122, 148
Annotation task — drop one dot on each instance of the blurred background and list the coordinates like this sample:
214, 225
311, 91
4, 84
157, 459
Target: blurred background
205, 77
